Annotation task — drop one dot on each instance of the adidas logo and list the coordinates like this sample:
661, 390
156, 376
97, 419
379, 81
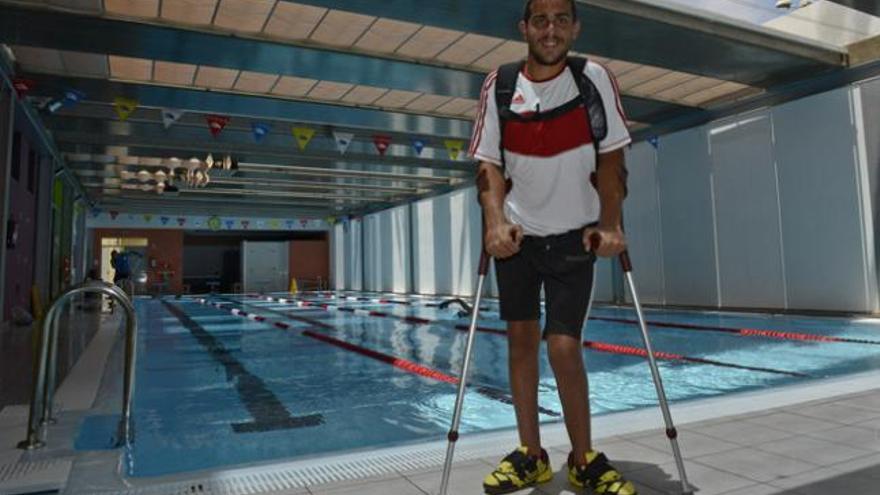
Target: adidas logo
518, 99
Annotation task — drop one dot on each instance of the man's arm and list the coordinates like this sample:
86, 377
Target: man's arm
611, 186
501, 238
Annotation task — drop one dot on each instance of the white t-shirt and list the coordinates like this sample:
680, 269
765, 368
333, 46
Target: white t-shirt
549, 161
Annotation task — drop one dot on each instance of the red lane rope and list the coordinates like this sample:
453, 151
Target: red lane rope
598, 346
397, 362
745, 332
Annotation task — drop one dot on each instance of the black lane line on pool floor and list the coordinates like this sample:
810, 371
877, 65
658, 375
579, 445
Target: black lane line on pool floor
267, 410
488, 392
592, 345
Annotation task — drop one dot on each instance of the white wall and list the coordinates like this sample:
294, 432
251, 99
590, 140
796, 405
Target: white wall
770, 209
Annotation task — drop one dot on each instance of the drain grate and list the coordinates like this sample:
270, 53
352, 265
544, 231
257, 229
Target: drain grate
299, 474
16, 470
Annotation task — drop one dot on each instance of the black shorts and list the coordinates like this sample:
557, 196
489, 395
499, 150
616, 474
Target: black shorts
564, 268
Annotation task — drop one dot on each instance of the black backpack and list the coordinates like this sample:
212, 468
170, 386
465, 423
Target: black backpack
505, 85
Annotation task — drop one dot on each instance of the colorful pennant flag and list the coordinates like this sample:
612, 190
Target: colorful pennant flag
22, 86
164, 220
343, 140
229, 224
124, 107
113, 214
71, 97
245, 223
216, 123
96, 212
181, 221
303, 223
170, 116
275, 224
654, 141
214, 223
454, 147
260, 130
382, 143
148, 217
303, 136
261, 224
330, 221
418, 145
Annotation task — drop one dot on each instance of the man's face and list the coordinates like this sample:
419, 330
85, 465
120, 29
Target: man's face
550, 31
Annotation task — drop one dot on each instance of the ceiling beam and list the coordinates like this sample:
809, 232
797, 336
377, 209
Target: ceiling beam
633, 31
85, 33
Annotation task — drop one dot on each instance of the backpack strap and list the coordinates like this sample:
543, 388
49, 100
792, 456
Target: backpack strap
592, 100
505, 86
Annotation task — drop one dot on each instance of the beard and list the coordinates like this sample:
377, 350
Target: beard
547, 59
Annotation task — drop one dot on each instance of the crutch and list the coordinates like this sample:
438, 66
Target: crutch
452, 436
671, 432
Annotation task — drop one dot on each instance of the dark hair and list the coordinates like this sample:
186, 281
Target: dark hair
527, 10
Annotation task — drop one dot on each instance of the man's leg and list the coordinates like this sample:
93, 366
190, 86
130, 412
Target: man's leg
566, 358
524, 339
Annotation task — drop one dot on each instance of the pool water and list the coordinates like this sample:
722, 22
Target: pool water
215, 389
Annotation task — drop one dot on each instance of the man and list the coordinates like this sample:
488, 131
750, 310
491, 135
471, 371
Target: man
539, 234
121, 266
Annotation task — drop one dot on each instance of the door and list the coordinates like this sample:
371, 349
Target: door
264, 266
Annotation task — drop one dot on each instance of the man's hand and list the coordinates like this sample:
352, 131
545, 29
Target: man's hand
503, 240
612, 241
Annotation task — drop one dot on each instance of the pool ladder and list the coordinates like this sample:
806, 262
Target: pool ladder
46, 366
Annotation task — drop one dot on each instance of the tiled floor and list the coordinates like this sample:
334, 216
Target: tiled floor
826, 447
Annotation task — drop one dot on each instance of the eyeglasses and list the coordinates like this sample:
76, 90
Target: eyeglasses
543, 22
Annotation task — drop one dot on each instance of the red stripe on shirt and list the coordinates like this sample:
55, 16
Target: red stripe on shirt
616, 92
481, 116
549, 137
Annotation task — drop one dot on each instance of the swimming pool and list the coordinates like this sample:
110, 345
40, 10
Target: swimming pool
220, 389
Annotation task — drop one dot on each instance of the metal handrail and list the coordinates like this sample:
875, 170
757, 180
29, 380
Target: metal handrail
46, 366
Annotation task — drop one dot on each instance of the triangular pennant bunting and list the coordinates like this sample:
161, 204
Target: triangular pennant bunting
72, 97
260, 130
216, 123
382, 143
303, 136
418, 145
181, 221
245, 223
343, 140
170, 116
454, 147
229, 224
164, 220
654, 141
148, 218
68, 99
124, 107
22, 86
113, 214
275, 224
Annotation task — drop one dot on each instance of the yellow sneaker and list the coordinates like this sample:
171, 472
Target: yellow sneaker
599, 475
517, 471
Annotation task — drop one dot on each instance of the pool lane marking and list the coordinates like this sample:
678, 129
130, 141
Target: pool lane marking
742, 332
592, 345
745, 332
397, 362
264, 406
